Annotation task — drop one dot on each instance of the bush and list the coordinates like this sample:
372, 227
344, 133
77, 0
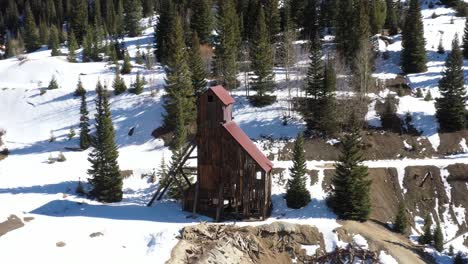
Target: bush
51, 159
434, 15
419, 93
440, 48
428, 96
61, 157
53, 84
80, 189
401, 220
261, 101
71, 134
52, 138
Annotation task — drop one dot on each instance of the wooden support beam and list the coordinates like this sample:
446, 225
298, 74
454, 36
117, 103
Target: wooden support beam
195, 200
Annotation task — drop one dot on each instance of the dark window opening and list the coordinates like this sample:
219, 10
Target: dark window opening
210, 98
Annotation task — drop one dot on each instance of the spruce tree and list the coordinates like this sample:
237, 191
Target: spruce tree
325, 110
110, 17
465, 40
201, 20
118, 84
350, 195
197, 67
162, 30
85, 138
401, 220
427, 236
227, 45
451, 105
119, 19
127, 65
377, 15
438, 238
391, 21
297, 195
413, 55
31, 36
53, 84
72, 46
79, 19
54, 42
315, 77
458, 259
106, 180
262, 59
179, 89
133, 14
139, 85
440, 48
387, 117
80, 90
273, 19
345, 30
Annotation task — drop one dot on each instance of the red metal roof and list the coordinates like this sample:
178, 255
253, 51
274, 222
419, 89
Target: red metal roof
222, 94
238, 134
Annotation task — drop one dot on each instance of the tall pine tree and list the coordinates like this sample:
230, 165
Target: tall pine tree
350, 195
31, 36
54, 41
426, 237
401, 220
451, 105
72, 46
315, 78
197, 66
201, 20
413, 55
391, 21
79, 19
163, 27
438, 238
85, 138
262, 58
133, 14
106, 180
179, 89
297, 195
227, 45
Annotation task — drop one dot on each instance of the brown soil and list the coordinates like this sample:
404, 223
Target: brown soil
380, 238
458, 179
450, 142
272, 243
12, 223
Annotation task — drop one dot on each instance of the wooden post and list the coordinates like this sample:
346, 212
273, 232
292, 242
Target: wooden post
220, 199
195, 200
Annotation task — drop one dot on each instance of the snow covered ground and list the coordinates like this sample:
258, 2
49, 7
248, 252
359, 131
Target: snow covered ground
132, 232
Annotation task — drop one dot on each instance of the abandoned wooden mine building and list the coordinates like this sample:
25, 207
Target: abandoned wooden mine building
233, 175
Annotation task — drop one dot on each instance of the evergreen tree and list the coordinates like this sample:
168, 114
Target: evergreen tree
111, 17
345, 30
262, 59
85, 138
391, 21
377, 16
227, 45
401, 220
201, 20
79, 19
273, 19
458, 259
179, 89
451, 105
43, 33
139, 85
427, 236
88, 46
438, 238
31, 36
127, 66
133, 14
162, 30
197, 67
413, 56
54, 41
325, 110
440, 48
148, 8
350, 195
297, 195
315, 77
118, 84
428, 96
80, 90
53, 84
119, 19
387, 117
72, 46
106, 180
465, 40
97, 14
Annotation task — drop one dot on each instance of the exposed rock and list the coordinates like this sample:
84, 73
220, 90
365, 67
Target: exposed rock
96, 234
60, 244
13, 222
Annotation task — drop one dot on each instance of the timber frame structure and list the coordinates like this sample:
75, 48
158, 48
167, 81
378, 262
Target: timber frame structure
233, 175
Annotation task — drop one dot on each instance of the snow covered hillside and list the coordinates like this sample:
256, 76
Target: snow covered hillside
63, 227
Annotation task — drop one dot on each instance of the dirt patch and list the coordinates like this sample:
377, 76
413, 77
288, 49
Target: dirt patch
273, 243
313, 175
424, 187
450, 142
60, 244
458, 180
96, 234
28, 218
380, 238
13, 222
